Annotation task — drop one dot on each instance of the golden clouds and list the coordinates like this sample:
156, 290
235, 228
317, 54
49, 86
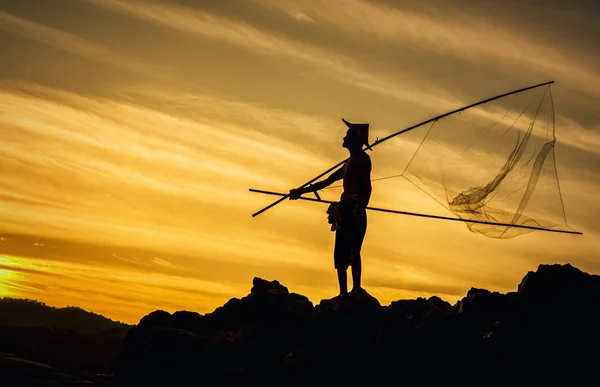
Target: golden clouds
336, 65
113, 291
74, 44
447, 32
141, 182
98, 153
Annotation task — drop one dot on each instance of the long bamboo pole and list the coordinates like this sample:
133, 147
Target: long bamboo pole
426, 215
379, 141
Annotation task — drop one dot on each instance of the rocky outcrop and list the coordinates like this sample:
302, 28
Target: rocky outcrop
81, 355
19, 372
545, 333
244, 340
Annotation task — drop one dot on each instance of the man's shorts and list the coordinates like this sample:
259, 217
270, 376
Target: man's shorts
349, 237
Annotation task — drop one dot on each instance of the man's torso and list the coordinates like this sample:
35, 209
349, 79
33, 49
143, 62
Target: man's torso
357, 178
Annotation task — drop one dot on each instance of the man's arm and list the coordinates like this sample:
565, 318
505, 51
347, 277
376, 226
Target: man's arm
335, 176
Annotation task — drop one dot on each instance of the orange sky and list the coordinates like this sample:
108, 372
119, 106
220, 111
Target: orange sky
132, 131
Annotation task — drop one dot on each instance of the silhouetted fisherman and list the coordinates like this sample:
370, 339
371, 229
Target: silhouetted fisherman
349, 216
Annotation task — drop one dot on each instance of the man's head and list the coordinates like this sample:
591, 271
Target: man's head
356, 136
352, 141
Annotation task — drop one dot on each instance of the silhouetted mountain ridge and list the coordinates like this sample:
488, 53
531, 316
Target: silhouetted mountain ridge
27, 312
45, 345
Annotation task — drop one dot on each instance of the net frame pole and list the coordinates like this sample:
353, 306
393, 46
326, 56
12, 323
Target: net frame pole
379, 141
426, 215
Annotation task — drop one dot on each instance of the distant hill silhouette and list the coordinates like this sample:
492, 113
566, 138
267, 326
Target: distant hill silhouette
27, 312
543, 334
59, 346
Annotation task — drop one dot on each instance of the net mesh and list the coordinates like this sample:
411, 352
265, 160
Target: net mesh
494, 163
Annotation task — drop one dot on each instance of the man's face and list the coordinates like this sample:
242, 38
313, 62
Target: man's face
351, 140
346, 139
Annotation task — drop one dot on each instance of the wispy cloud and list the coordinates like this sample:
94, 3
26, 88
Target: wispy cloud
462, 35
336, 65
573, 134
76, 45
383, 22
116, 292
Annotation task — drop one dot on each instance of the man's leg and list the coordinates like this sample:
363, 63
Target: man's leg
343, 280
356, 272
359, 232
342, 251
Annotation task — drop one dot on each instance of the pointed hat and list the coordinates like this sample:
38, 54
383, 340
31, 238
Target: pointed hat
362, 130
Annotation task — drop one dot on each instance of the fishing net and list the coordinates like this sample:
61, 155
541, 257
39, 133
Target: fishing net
494, 164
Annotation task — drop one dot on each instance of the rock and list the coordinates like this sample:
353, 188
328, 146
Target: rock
554, 283
272, 336
418, 311
11, 365
17, 372
346, 334
260, 285
349, 309
237, 340
158, 318
190, 321
482, 308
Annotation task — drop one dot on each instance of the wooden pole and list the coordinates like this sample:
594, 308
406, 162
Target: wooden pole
425, 215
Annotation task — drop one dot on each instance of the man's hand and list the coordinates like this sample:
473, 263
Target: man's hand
295, 193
